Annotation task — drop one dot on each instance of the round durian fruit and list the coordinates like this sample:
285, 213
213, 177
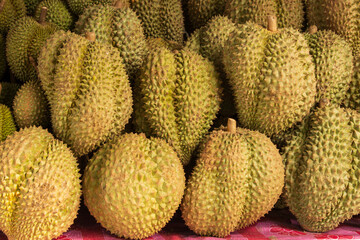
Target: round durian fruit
238, 178
31, 107
78, 7
201, 11
23, 44
161, 19
290, 13
322, 162
179, 96
134, 185
87, 88
340, 16
333, 63
272, 76
7, 124
58, 14
8, 91
117, 25
41, 185
10, 12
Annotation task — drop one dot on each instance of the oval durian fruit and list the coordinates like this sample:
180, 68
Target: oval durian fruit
117, 25
7, 124
333, 63
30, 106
322, 162
57, 13
272, 76
133, 185
10, 12
41, 185
237, 179
179, 97
87, 88
23, 45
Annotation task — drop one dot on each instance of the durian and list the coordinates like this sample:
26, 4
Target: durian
7, 124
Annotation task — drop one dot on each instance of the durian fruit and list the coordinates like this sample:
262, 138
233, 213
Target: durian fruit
237, 179
290, 13
322, 162
31, 107
352, 98
272, 76
333, 63
161, 19
10, 12
40, 186
341, 16
7, 125
117, 25
7, 93
201, 11
179, 97
23, 45
133, 185
58, 13
78, 7
87, 88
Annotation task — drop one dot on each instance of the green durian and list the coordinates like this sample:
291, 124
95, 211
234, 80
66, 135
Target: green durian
237, 179
41, 185
10, 12
133, 185
117, 25
23, 44
322, 167
179, 93
272, 76
31, 107
7, 125
78, 7
87, 88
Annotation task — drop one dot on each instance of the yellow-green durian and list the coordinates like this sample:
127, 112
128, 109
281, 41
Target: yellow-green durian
10, 12
7, 124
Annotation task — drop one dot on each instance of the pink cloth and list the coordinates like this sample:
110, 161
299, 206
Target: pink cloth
278, 224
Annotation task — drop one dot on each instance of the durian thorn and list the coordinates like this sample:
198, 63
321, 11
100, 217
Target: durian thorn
231, 125
313, 29
323, 102
33, 63
43, 13
2, 4
121, 4
90, 36
272, 23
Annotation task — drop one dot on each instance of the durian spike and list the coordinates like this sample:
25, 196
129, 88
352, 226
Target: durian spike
32, 62
231, 125
122, 4
323, 102
272, 23
2, 4
90, 36
313, 29
43, 13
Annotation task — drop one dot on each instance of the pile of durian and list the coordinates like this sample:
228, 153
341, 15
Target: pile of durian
130, 104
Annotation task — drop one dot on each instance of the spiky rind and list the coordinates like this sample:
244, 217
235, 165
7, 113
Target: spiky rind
7, 124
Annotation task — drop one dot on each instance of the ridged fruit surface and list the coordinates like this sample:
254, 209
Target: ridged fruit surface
133, 185
7, 124
11, 11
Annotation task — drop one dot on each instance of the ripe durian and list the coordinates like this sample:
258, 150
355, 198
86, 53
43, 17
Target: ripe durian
322, 162
7, 93
30, 106
7, 125
10, 12
23, 45
272, 76
133, 185
352, 99
57, 13
290, 13
87, 88
237, 179
40, 186
333, 63
117, 25
179, 96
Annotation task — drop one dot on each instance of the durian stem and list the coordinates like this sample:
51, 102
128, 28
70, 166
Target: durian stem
32, 62
231, 125
120, 4
90, 36
313, 29
2, 4
43, 13
272, 23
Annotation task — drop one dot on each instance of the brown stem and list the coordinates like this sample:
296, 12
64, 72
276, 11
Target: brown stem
272, 23
2, 4
231, 125
122, 4
90, 36
313, 29
43, 13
